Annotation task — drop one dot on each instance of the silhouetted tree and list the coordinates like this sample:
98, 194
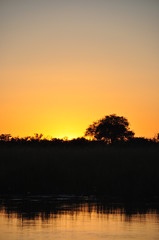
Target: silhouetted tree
110, 129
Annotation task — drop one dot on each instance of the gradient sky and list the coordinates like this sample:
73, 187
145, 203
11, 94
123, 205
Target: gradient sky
65, 64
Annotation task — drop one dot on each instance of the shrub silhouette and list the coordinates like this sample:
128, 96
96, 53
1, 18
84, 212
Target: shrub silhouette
5, 137
110, 129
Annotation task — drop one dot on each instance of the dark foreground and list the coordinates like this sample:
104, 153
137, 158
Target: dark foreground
116, 171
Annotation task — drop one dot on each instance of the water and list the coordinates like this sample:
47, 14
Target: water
65, 217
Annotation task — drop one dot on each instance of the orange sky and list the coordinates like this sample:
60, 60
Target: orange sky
65, 64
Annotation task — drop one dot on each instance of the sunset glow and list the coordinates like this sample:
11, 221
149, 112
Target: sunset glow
65, 64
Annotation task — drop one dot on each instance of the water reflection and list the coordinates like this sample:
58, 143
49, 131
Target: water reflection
32, 207
70, 217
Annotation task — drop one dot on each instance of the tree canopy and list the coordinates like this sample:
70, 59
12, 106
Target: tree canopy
110, 129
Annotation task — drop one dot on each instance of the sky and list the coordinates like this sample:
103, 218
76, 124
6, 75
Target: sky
65, 64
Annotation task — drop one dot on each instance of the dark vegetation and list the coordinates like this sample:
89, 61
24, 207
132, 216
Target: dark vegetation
118, 166
93, 168
110, 129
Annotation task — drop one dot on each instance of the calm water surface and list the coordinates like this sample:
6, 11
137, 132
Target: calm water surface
75, 218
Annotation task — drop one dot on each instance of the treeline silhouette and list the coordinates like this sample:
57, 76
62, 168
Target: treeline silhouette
117, 165
111, 129
37, 139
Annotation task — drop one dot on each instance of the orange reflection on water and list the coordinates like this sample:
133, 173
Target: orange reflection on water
82, 223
